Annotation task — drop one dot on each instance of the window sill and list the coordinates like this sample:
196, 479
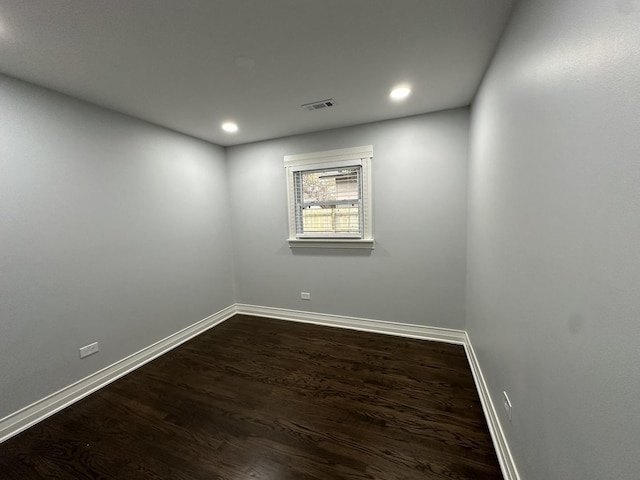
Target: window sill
330, 243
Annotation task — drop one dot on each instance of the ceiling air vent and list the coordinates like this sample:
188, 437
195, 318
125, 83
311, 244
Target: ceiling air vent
319, 105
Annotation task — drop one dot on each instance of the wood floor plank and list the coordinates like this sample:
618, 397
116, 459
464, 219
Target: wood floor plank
257, 398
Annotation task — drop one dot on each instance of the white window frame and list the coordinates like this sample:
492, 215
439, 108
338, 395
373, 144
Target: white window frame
345, 157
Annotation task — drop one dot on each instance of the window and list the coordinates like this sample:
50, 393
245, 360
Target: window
330, 198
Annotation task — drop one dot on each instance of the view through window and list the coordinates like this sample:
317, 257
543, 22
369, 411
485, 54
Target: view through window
330, 202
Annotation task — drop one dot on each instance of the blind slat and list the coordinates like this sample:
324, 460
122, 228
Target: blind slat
339, 188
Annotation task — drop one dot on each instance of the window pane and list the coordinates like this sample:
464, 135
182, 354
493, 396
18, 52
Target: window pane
330, 185
328, 202
332, 220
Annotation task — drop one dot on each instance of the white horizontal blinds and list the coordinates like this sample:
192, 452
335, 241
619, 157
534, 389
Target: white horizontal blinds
329, 202
297, 188
306, 166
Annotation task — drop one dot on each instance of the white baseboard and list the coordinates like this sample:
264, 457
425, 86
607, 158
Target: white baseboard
24, 418
353, 323
38, 411
507, 464
460, 337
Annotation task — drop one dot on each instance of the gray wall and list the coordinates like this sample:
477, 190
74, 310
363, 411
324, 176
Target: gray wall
416, 274
111, 230
554, 237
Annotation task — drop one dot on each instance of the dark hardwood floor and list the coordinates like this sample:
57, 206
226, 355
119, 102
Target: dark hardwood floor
256, 398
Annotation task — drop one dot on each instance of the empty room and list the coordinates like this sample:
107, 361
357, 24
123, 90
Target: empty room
320, 239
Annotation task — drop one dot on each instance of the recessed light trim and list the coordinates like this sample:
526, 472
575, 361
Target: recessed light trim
399, 93
230, 127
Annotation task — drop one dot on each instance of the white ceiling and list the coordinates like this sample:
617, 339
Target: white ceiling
173, 62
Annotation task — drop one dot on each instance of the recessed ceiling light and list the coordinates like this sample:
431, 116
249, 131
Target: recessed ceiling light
230, 127
400, 93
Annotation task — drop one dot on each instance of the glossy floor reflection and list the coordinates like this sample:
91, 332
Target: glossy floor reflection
256, 398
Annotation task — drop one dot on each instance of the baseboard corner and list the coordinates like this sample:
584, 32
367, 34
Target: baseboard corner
24, 418
505, 458
356, 323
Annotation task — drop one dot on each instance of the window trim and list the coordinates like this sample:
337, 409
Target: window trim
345, 157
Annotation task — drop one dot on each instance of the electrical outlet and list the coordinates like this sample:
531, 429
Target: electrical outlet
507, 405
89, 349
305, 295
